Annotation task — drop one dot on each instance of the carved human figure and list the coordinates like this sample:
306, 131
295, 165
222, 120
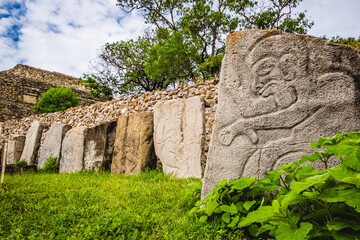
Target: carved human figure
280, 93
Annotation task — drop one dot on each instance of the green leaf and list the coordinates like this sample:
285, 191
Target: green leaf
203, 218
226, 217
301, 186
266, 227
253, 229
229, 209
210, 207
340, 223
286, 232
345, 174
312, 158
248, 204
260, 215
242, 183
234, 221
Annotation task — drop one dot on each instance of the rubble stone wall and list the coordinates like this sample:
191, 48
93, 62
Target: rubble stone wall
104, 112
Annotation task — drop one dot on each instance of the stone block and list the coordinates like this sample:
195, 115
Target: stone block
53, 142
179, 135
32, 142
279, 92
72, 151
15, 148
134, 146
98, 147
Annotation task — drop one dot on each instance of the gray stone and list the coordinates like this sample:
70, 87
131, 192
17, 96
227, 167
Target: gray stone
53, 142
96, 144
279, 92
179, 134
134, 146
15, 148
72, 152
32, 142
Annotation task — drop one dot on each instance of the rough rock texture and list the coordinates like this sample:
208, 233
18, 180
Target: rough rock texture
278, 93
96, 144
105, 112
134, 145
178, 135
32, 142
53, 142
72, 152
15, 148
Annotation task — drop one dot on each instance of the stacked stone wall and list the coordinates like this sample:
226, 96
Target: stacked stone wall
22, 86
104, 112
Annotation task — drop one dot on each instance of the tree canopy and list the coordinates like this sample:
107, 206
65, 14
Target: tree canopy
186, 40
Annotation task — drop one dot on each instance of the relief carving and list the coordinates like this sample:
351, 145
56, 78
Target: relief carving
273, 101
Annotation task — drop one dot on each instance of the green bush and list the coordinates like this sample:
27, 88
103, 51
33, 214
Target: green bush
296, 202
57, 99
51, 165
21, 163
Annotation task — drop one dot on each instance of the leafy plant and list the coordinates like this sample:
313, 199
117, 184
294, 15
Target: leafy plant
21, 163
297, 201
51, 165
57, 99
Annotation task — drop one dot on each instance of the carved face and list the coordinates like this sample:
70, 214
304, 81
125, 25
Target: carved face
267, 77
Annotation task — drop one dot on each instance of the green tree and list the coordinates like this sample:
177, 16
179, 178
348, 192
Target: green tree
188, 40
57, 99
351, 41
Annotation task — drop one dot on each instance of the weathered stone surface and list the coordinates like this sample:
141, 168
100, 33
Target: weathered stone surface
32, 142
178, 135
15, 148
96, 152
72, 152
134, 146
278, 93
53, 142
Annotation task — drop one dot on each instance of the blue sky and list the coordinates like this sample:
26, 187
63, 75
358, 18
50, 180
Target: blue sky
64, 36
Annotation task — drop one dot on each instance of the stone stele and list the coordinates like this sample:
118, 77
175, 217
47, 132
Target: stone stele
32, 142
95, 152
278, 93
134, 145
53, 142
72, 151
179, 135
15, 148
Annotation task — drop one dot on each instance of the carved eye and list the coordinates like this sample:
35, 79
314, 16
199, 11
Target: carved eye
265, 69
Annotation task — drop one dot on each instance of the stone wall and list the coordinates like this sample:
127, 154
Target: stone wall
104, 112
22, 86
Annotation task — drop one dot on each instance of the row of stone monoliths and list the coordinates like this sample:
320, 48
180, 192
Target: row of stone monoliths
174, 133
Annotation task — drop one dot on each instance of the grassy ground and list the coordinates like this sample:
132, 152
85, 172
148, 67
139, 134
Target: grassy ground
100, 206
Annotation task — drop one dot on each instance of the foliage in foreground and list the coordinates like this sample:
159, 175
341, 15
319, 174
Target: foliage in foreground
51, 165
57, 99
88, 205
296, 202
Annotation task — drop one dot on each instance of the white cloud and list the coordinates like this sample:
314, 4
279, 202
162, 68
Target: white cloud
64, 36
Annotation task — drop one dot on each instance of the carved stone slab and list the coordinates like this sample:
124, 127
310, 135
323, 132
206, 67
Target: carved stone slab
72, 152
32, 142
53, 142
15, 149
279, 92
134, 145
97, 147
178, 135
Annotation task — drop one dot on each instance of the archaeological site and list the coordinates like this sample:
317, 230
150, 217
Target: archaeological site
277, 93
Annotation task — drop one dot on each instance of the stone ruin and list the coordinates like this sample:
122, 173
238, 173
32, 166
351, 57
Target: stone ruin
279, 92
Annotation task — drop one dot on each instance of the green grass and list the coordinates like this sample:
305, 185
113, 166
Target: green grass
87, 205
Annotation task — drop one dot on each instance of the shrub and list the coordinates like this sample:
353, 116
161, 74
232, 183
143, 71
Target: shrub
297, 201
57, 99
21, 163
51, 165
